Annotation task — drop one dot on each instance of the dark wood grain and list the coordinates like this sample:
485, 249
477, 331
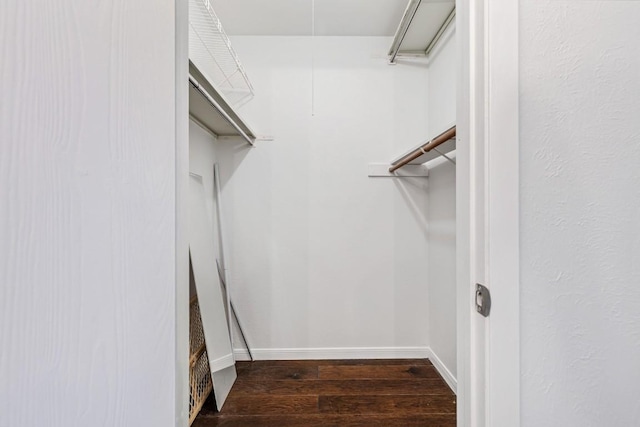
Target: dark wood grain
376, 372
346, 393
270, 405
347, 362
343, 387
272, 373
317, 420
396, 405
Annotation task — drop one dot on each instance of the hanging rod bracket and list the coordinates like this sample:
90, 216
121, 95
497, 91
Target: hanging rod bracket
381, 170
445, 156
423, 149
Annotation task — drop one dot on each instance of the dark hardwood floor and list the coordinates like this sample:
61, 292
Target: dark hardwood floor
305, 393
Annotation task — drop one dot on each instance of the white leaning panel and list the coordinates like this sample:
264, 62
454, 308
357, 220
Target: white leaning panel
212, 306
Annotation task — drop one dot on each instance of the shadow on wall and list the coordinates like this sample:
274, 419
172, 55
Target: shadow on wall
418, 62
231, 153
442, 44
412, 191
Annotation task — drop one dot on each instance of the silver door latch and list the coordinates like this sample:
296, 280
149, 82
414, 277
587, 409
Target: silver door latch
483, 300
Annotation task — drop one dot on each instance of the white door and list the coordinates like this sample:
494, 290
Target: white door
487, 204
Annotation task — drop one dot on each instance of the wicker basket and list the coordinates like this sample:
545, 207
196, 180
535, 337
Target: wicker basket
199, 374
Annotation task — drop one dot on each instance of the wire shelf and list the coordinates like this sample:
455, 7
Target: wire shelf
211, 52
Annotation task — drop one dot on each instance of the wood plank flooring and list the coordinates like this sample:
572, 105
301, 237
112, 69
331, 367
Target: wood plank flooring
328, 393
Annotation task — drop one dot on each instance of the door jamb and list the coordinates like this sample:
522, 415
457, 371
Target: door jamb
181, 378
487, 38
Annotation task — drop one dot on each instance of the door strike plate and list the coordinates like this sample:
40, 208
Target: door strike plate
483, 300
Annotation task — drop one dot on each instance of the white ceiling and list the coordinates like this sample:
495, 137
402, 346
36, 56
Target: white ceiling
294, 17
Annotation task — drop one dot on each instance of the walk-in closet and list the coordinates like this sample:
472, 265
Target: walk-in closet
322, 213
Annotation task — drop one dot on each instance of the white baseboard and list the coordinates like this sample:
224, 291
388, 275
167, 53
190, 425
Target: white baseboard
350, 353
333, 353
449, 378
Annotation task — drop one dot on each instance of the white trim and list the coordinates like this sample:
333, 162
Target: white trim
442, 369
466, 55
334, 353
182, 388
503, 198
487, 182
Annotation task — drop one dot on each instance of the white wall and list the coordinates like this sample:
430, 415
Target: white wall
325, 259
580, 204
202, 156
87, 219
441, 211
441, 91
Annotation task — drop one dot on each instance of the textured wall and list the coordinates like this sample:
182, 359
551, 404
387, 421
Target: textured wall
580, 256
87, 219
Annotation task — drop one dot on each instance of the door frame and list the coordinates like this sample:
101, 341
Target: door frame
182, 387
488, 54
487, 100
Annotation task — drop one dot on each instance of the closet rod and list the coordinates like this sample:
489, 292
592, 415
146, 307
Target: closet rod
425, 148
217, 106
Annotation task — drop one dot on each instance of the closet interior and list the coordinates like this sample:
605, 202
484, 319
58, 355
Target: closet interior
328, 232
